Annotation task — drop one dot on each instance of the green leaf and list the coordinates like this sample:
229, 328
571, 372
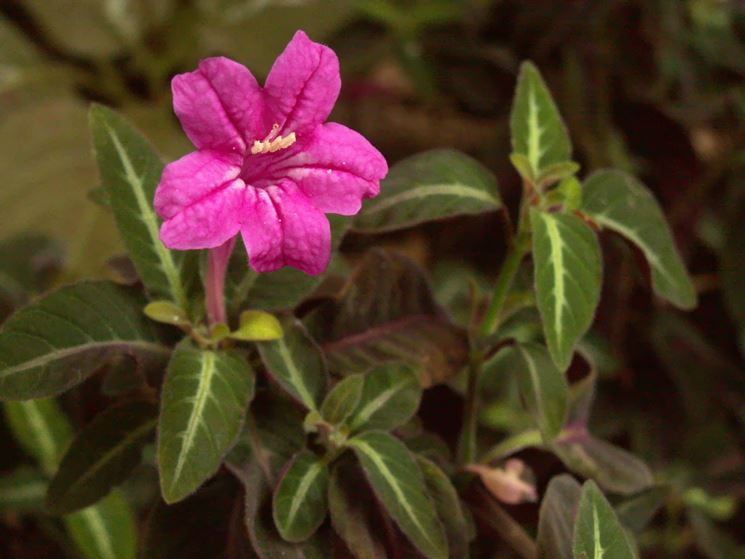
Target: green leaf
621, 203
390, 397
543, 387
538, 132
430, 186
274, 291
297, 364
22, 491
558, 172
342, 400
352, 508
613, 468
27, 264
130, 170
387, 314
167, 313
556, 518
61, 339
597, 532
448, 506
256, 326
42, 430
106, 530
204, 400
398, 484
637, 511
299, 504
568, 270
102, 456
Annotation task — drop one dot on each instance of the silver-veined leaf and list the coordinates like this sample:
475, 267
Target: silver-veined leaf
390, 397
58, 341
22, 491
342, 400
556, 518
204, 400
539, 136
621, 203
543, 386
399, 485
598, 534
568, 273
296, 363
130, 170
429, 186
299, 504
105, 530
102, 455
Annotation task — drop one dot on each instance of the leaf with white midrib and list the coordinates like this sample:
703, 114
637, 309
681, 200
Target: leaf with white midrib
83, 325
105, 530
390, 396
538, 132
567, 264
432, 185
402, 492
621, 203
130, 170
598, 534
204, 400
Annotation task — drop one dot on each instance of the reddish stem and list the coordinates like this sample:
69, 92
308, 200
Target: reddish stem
217, 265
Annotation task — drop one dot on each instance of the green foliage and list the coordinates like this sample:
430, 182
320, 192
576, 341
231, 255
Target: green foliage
556, 518
398, 484
297, 364
343, 399
567, 265
621, 203
60, 340
430, 186
205, 395
299, 504
597, 531
101, 456
105, 530
130, 170
22, 491
390, 397
540, 141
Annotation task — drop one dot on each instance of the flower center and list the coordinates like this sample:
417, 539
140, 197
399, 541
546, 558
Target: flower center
273, 142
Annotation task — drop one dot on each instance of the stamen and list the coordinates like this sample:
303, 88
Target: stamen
273, 142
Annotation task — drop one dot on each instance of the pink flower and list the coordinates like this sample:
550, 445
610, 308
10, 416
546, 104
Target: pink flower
266, 165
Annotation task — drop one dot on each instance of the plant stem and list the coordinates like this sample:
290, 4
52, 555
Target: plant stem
217, 265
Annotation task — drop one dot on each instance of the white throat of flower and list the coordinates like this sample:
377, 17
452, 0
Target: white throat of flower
273, 142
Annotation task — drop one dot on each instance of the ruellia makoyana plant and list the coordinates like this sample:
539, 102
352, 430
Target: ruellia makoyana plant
276, 385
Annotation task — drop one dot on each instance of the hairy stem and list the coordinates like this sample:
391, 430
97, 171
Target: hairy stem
217, 266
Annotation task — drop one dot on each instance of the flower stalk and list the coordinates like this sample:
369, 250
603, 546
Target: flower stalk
217, 266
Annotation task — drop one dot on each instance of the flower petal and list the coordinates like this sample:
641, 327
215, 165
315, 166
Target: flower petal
201, 198
220, 105
337, 168
302, 86
282, 227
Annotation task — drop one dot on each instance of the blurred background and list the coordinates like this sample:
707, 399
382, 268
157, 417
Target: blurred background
651, 86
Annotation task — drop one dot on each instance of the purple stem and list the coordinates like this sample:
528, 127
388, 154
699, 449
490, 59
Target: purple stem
217, 265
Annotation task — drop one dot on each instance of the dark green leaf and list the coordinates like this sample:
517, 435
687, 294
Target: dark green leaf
130, 170
299, 505
387, 314
105, 530
621, 203
342, 400
27, 263
398, 484
568, 269
429, 186
297, 364
41, 428
204, 400
538, 132
637, 511
597, 532
448, 506
61, 339
543, 387
353, 512
556, 518
22, 491
390, 397
101, 456
613, 468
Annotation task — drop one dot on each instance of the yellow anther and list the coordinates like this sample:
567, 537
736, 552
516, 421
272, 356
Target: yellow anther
272, 142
